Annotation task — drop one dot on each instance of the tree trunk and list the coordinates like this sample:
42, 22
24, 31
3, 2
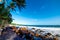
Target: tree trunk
6, 23
2, 24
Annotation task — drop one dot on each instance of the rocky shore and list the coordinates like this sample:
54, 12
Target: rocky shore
25, 33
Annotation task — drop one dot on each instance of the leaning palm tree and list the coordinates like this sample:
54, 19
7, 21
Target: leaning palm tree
5, 16
15, 3
5, 8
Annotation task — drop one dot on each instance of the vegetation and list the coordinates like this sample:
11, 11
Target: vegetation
16, 24
5, 7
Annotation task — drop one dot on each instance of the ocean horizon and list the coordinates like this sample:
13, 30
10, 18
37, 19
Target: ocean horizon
48, 26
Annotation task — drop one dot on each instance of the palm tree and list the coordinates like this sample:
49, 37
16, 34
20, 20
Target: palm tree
5, 15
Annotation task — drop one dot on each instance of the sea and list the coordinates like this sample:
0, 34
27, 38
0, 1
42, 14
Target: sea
43, 26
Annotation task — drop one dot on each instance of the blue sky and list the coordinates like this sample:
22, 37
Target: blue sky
38, 12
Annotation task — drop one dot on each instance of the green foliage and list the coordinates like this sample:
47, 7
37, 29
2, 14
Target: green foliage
1, 7
16, 24
5, 9
20, 3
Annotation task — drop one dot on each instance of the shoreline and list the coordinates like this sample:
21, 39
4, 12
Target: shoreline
42, 32
52, 30
49, 28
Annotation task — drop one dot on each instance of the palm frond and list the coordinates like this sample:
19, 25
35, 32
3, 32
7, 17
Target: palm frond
20, 3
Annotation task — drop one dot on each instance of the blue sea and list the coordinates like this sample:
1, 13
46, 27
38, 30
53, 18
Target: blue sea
48, 26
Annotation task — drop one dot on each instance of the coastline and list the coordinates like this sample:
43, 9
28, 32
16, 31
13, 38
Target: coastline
43, 32
53, 30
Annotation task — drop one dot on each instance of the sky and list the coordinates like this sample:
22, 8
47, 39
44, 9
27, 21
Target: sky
38, 12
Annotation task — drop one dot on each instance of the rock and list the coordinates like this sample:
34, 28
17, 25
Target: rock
37, 35
57, 35
55, 38
23, 28
33, 28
